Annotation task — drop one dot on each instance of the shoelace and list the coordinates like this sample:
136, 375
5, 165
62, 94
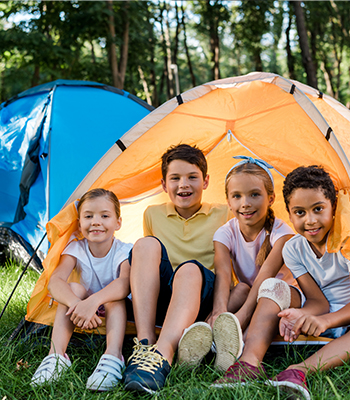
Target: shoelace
302, 377
138, 351
151, 360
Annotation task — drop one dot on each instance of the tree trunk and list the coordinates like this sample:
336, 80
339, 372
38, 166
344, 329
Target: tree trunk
304, 45
112, 50
189, 63
327, 73
118, 72
290, 58
144, 85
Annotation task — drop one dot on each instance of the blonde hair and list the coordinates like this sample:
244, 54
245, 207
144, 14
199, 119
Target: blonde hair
94, 193
254, 169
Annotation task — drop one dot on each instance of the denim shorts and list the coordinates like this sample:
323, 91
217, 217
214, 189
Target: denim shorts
167, 274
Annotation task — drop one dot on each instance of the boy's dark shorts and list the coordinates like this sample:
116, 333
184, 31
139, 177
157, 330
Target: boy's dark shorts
167, 274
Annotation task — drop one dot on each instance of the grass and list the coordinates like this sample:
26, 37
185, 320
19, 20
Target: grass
19, 359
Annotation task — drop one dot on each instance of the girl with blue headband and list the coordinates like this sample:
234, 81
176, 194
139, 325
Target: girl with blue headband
252, 244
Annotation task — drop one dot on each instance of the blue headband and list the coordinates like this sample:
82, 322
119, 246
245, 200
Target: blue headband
261, 163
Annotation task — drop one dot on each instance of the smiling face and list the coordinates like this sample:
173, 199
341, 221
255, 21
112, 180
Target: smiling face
248, 200
184, 184
311, 214
97, 222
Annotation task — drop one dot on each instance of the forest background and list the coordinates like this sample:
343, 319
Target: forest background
156, 49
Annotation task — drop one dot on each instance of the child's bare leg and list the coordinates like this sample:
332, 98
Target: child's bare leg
183, 308
63, 327
145, 285
115, 327
238, 296
263, 328
331, 355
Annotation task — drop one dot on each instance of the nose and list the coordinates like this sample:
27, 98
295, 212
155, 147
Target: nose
245, 202
310, 219
183, 182
96, 221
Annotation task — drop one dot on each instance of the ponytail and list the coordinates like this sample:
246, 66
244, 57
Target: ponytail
266, 246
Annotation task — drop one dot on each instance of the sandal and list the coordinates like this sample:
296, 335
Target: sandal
50, 369
107, 374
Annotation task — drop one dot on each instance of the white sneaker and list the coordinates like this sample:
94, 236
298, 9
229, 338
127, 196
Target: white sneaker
228, 341
194, 344
107, 374
50, 369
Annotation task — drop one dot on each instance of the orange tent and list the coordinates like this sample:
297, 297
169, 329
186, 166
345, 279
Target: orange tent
262, 115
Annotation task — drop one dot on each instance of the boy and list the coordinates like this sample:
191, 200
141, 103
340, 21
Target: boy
172, 275
310, 199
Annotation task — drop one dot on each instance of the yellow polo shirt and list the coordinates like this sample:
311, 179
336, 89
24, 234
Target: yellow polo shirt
186, 239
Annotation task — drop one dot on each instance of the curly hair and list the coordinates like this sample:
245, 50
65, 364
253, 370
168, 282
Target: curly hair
184, 152
311, 177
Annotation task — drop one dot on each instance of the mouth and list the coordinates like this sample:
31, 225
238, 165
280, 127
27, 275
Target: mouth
95, 231
247, 214
313, 232
184, 194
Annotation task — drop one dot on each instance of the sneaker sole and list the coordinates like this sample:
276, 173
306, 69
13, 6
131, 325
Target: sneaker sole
227, 335
291, 388
228, 385
137, 387
195, 344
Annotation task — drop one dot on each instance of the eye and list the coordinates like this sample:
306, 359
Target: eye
175, 178
105, 216
318, 209
299, 213
255, 194
193, 177
87, 216
236, 196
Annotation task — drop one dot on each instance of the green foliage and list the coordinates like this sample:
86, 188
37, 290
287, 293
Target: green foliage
42, 41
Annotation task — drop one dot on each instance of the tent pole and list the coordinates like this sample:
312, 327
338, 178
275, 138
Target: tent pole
21, 276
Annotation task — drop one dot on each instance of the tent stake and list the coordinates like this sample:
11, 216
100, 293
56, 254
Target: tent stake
21, 276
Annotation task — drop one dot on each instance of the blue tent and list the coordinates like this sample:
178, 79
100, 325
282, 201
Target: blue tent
50, 138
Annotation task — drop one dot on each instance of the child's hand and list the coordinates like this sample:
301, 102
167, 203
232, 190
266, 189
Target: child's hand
83, 314
288, 328
312, 325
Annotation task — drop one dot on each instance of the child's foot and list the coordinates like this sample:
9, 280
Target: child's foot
240, 373
149, 372
291, 381
194, 344
228, 341
107, 374
51, 369
138, 350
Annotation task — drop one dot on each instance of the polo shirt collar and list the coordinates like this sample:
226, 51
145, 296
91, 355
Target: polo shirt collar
170, 210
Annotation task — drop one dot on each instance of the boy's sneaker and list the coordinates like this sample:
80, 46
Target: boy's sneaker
227, 333
240, 373
194, 344
149, 372
293, 382
140, 348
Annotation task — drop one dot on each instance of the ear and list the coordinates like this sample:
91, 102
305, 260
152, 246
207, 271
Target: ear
79, 226
164, 185
119, 223
272, 199
206, 182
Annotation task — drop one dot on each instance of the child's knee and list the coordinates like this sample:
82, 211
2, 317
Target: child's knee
189, 271
145, 245
241, 289
78, 290
277, 291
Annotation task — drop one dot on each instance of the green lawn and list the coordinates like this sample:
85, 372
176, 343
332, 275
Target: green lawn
19, 359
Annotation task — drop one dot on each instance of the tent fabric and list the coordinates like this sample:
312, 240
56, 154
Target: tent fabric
51, 136
261, 115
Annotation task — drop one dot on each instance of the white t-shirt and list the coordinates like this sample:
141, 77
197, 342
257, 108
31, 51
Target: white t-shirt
96, 273
330, 272
243, 253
